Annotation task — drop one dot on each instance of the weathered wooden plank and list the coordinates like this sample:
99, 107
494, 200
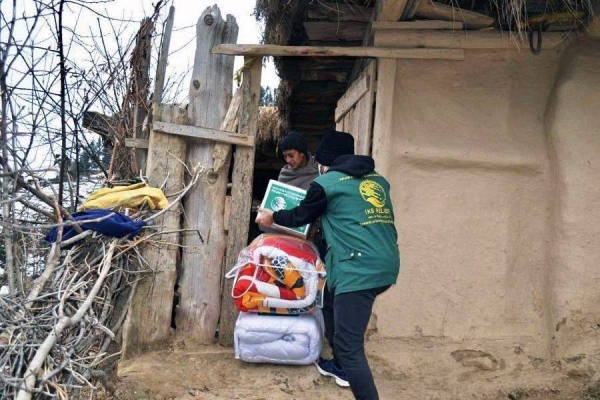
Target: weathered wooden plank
472, 20
414, 25
351, 97
148, 322
163, 58
210, 94
339, 12
241, 200
391, 10
221, 152
359, 119
316, 51
227, 214
460, 40
323, 30
199, 132
383, 128
137, 143
141, 81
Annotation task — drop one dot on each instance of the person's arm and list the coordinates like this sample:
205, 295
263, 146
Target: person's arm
308, 211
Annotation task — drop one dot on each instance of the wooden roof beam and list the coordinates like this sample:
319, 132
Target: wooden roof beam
417, 25
390, 10
332, 51
478, 40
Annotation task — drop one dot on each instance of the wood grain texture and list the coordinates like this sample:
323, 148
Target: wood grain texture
358, 119
241, 194
210, 95
331, 51
148, 322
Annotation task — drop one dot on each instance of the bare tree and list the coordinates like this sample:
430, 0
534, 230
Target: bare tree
54, 75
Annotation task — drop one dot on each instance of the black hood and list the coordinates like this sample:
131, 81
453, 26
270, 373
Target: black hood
353, 165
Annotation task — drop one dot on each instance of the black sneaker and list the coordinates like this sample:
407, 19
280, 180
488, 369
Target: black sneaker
328, 368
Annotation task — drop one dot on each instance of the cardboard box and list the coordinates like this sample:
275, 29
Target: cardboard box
281, 196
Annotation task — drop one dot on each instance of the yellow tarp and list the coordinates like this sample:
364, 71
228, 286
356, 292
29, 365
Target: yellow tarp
132, 196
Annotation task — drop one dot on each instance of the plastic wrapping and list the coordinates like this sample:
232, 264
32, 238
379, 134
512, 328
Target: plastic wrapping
279, 339
278, 274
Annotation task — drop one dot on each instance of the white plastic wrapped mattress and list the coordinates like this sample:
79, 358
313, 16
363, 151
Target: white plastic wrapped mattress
279, 339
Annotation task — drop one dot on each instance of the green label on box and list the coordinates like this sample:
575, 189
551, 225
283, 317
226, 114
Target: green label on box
281, 196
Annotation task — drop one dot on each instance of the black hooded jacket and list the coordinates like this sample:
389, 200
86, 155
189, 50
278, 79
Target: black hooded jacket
315, 203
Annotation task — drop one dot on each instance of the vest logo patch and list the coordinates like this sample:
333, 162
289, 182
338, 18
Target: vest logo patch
373, 193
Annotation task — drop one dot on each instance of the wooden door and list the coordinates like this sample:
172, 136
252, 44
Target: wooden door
355, 110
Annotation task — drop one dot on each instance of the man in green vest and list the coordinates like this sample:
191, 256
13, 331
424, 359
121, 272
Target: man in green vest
362, 261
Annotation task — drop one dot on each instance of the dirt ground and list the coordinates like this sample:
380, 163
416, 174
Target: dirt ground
402, 370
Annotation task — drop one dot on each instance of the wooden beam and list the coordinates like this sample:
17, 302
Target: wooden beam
415, 25
161, 69
204, 133
140, 104
351, 97
241, 198
472, 20
137, 143
316, 51
461, 40
339, 12
391, 10
323, 30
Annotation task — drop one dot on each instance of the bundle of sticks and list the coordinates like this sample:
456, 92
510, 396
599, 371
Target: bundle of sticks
60, 338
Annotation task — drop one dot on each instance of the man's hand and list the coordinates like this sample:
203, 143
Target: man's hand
264, 217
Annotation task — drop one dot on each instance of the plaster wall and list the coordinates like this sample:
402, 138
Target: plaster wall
573, 125
493, 163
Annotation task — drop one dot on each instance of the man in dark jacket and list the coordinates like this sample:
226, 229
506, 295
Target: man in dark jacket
362, 261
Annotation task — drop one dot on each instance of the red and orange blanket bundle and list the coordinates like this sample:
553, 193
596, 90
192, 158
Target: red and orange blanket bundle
278, 274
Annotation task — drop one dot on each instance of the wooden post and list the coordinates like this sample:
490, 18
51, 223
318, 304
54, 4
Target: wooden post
159, 84
241, 192
140, 71
383, 128
148, 322
210, 94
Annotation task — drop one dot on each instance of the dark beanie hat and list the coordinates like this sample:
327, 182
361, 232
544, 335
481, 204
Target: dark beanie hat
334, 144
294, 141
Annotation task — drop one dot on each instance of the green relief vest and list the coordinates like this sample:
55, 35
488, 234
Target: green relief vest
359, 228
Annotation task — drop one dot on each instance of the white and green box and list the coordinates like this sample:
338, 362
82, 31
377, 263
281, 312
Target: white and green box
281, 196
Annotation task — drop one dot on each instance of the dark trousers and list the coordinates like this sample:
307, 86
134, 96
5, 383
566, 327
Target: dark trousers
345, 328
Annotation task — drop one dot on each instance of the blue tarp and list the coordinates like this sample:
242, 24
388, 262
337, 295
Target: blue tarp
116, 225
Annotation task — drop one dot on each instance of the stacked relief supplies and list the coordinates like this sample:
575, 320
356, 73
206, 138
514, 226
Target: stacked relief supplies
278, 288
